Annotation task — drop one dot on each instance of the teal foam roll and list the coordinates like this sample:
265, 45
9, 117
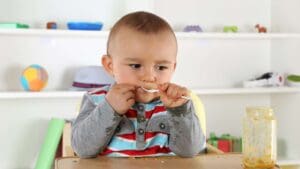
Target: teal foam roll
48, 149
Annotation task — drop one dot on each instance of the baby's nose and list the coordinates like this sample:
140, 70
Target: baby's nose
149, 76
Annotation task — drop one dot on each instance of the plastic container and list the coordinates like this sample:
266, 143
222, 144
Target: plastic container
293, 80
84, 25
14, 25
259, 138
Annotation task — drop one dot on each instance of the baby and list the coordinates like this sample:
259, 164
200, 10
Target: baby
142, 114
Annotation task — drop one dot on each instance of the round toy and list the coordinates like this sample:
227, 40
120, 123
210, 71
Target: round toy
34, 78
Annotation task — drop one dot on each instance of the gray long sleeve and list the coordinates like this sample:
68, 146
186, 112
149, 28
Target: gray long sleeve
186, 136
97, 123
93, 128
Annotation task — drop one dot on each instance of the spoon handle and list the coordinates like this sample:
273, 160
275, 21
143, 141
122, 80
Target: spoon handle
185, 97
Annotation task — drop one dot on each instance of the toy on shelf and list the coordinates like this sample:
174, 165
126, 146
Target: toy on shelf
269, 79
261, 29
232, 29
34, 78
85, 25
13, 25
192, 28
51, 25
226, 142
293, 80
90, 77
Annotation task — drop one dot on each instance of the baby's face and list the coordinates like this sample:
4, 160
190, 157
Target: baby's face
143, 59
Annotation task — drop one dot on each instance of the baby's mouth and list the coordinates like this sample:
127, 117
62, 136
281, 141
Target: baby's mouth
150, 90
150, 87
146, 94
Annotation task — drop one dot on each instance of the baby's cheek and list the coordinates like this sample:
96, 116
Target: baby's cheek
163, 81
125, 80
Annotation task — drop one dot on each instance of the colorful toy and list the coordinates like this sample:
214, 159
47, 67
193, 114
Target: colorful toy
51, 25
226, 142
14, 25
233, 29
269, 79
85, 25
261, 29
192, 28
34, 78
293, 80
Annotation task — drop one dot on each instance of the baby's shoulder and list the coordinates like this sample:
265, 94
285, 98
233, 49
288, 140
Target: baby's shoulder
99, 91
98, 95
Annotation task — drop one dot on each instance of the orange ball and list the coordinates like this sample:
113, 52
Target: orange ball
34, 78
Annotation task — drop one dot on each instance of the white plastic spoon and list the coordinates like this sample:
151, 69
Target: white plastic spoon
156, 90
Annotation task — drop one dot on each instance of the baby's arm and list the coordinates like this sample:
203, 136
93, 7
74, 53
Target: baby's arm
94, 127
186, 136
98, 119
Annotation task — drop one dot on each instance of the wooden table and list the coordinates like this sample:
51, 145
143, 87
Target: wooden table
211, 161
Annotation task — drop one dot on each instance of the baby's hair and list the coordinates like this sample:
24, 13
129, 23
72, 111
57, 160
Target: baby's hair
141, 21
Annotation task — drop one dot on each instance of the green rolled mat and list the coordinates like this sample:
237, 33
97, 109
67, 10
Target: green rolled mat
13, 25
48, 149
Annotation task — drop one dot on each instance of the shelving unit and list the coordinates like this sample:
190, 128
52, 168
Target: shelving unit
213, 64
41, 95
79, 94
238, 91
179, 35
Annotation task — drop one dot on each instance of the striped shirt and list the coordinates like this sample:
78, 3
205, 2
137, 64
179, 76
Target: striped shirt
144, 130
156, 143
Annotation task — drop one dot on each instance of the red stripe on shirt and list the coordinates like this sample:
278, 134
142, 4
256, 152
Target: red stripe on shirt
157, 109
131, 113
95, 92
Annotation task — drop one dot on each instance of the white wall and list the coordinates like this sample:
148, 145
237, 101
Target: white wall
285, 15
61, 56
285, 58
24, 125
212, 15
37, 13
216, 63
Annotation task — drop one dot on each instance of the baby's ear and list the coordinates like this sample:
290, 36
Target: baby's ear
107, 64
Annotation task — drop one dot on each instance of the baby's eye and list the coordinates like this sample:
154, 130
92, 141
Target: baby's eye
135, 66
160, 67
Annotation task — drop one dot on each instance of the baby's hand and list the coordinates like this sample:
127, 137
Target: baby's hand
171, 94
121, 97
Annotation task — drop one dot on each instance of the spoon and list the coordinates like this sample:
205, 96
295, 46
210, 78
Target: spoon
150, 90
156, 90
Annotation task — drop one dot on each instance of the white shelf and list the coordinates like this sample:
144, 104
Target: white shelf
180, 35
52, 32
43, 94
248, 36
79, 94
288, 162
222, 91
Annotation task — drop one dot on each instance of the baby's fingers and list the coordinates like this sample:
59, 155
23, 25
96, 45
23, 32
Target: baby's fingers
172, 91
163, 87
